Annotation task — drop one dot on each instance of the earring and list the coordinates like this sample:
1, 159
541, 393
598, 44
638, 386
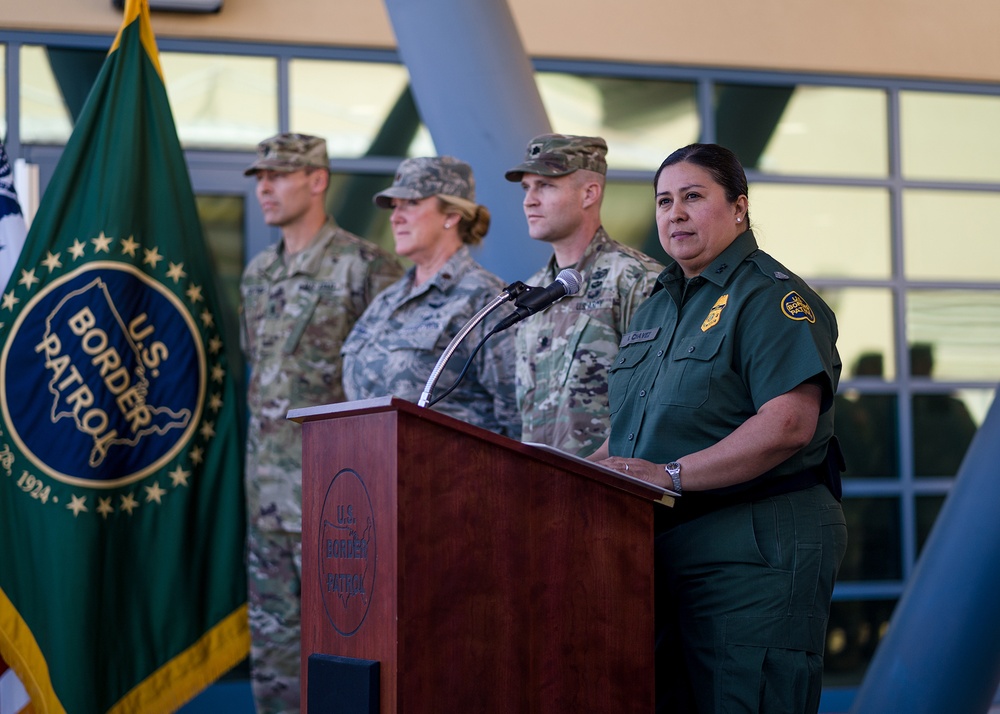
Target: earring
739, 220
447, 225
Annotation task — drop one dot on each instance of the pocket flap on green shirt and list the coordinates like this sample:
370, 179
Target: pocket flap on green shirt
698, 347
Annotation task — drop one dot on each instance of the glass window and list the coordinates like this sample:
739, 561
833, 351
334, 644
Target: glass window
928, 508
627, 215
874, 549
866, 324
961, 329
832, 131
867, 427
221, 101
361, 108
349, 201
222, 222
856, 627
824, 231
943, 428
45, 118
642, 120
949, 235
949, 136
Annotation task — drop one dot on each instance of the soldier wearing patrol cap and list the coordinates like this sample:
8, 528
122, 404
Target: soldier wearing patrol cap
301, 297
396, 344
563, 353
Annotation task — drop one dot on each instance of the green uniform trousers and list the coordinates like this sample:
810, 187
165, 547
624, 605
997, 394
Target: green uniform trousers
742, 602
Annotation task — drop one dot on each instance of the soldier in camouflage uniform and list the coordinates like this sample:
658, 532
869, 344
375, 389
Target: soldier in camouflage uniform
395, 345
300, 299
563, 353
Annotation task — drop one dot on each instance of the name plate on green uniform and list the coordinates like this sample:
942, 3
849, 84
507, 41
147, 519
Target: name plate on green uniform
639, 336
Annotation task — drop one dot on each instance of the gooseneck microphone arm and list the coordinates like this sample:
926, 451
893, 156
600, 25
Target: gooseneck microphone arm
529, 300
511, 292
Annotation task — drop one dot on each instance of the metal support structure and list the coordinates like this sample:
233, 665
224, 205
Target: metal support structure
475, 88
942, 653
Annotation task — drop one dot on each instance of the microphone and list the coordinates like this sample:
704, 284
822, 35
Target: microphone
568, 282
511, 292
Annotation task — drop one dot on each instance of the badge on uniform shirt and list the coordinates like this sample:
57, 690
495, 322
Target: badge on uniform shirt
795, 308
713, 315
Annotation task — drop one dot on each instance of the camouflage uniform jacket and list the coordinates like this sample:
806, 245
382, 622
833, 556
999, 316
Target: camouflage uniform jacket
563, 353
297, 311
395, 345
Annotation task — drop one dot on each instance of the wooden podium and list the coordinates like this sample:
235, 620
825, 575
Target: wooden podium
482, 574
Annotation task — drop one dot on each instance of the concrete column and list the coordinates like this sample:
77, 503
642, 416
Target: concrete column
475, 89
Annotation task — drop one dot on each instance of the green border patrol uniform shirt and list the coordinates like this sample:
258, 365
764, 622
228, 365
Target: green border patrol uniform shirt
563, 353
702, 356
395, 345
297, 311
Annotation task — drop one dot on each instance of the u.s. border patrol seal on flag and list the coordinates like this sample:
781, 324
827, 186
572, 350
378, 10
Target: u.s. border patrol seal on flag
118, 364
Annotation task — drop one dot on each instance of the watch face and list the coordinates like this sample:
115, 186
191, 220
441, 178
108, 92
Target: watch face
673, 470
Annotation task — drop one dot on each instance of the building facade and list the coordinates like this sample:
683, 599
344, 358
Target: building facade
867, 132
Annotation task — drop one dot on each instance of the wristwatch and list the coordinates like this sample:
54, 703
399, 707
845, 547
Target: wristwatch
673, 470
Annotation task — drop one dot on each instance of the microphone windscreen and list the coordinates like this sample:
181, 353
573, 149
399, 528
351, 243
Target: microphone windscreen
571, 279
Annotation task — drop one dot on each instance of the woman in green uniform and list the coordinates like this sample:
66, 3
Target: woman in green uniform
723, 392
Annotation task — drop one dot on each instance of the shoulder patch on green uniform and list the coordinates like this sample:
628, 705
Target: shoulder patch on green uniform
796, 308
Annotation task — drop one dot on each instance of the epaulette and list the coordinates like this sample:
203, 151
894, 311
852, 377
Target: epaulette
769, 267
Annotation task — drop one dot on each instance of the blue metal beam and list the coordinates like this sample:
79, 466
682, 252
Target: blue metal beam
475, 88
942, 651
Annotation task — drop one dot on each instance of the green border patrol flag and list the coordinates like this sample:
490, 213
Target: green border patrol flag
122, 521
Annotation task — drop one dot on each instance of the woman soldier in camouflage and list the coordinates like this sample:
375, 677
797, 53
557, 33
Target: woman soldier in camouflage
394, 347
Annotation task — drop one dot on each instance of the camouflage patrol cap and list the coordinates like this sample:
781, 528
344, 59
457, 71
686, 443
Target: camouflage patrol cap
429, 176
561, 154
290, 152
